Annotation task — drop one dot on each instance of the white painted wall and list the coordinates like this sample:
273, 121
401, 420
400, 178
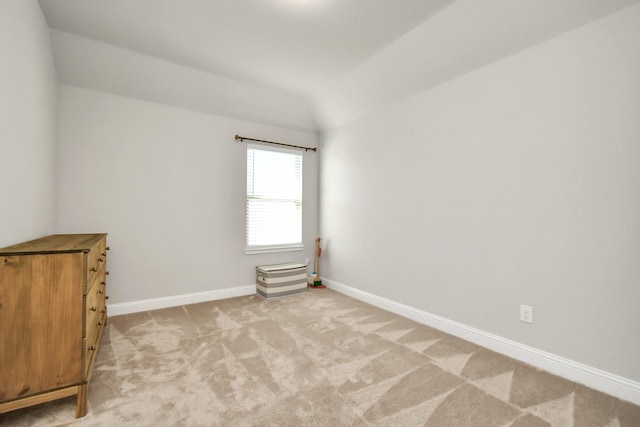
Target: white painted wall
89, 64
28, 98
168, 185
515, 183
464, 36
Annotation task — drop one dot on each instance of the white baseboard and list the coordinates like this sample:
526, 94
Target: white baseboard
606, 382
177, 300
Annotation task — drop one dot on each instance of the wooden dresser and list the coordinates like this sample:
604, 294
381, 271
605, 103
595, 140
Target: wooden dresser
52, 313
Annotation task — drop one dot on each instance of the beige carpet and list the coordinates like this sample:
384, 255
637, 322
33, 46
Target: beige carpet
315, 359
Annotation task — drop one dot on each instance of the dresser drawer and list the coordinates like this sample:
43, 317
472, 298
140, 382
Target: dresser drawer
96, 260
95, 302
94, 332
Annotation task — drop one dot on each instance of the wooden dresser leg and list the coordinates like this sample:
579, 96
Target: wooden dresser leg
81, 405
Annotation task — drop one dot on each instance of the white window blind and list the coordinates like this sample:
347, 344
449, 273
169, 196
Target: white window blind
274, 199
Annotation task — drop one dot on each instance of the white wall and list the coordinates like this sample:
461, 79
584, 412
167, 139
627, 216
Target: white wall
28, 98
168, 186
516, 183
464, 36
90, 64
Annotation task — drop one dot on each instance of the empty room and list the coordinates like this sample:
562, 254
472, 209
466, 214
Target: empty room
320, 212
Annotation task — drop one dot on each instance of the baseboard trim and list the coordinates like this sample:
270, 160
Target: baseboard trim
177, 300
606, 382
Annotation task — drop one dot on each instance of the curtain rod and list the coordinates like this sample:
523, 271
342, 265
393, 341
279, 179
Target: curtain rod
242, 138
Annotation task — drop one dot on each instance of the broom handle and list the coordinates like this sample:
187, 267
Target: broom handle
318, 252
315, 259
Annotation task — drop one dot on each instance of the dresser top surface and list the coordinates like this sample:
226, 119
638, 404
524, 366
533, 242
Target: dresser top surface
56, 243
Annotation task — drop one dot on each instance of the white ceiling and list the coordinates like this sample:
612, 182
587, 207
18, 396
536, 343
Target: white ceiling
307, 64
288, 44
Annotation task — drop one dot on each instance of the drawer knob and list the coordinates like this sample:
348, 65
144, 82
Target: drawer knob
94, 269
92, 348
104, 310
100, 259
104, 253
101, 291
108, 248
106, 273
100, 323
94, 308
106, 297
103, 283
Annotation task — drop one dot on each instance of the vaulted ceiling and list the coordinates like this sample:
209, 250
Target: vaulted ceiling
304, 64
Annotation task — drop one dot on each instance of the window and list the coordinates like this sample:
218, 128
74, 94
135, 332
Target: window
274, 200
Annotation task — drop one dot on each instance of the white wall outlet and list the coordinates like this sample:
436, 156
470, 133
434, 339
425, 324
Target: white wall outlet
526, 313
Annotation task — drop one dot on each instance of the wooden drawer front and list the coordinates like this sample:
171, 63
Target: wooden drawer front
94, 331
101, 292
95, 302
92, 307
96, 260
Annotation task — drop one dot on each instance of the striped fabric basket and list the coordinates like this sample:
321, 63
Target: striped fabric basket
281, 279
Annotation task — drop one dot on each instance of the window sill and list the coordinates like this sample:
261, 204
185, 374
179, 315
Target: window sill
253, 250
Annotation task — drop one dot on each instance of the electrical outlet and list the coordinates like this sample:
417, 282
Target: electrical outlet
526, 313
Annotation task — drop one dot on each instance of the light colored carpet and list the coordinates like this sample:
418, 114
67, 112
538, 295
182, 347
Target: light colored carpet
314, 359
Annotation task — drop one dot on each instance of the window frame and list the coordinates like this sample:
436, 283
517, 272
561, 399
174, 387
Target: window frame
273, 248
